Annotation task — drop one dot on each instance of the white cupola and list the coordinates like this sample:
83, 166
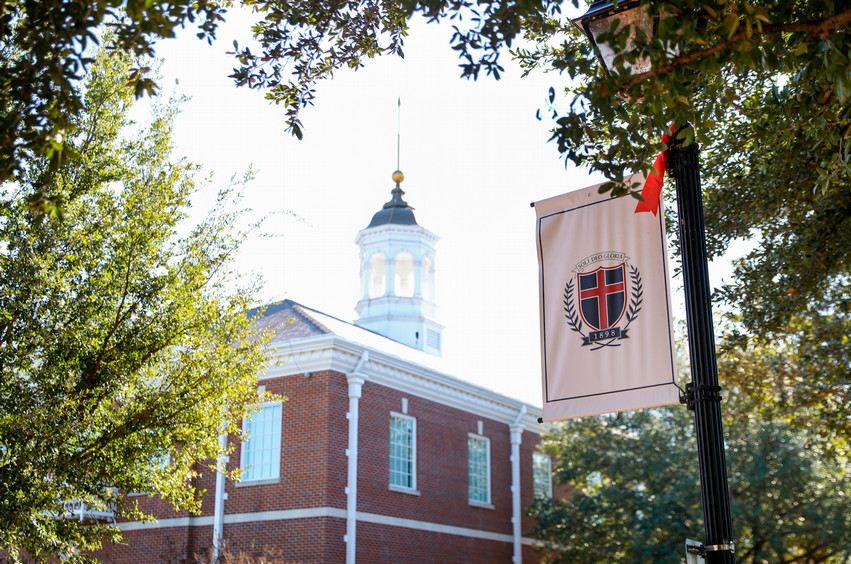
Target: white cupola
397, 276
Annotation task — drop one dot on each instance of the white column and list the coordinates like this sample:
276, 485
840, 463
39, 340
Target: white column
390, 270
219, 506
356, 380
516, 439
418, 277
365, 277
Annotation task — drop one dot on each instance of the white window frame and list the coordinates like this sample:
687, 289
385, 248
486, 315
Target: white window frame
274, 475
413, 461
540, 459
470, 489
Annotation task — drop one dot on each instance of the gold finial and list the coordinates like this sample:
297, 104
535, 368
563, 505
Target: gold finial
398, 176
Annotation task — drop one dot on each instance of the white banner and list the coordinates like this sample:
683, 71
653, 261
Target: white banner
607, 335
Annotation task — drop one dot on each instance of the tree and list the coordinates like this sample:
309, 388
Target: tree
123, 353
773, 181
635, 493
43, 58
720, 43
803, 381
765, 83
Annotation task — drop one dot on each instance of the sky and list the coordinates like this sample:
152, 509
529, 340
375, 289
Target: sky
474, 158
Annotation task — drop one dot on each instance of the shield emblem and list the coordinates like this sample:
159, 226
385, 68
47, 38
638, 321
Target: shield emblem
602, 296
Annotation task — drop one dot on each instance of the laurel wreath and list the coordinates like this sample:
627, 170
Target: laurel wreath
636, 299
573, 320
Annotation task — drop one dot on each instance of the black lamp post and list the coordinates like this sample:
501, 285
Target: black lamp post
702, 393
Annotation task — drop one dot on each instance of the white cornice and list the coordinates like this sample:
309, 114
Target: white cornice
390, 228
331, 352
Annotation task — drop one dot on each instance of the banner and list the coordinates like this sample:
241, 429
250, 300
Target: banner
607, 339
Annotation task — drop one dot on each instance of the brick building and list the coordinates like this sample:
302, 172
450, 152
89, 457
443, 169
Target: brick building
378, 455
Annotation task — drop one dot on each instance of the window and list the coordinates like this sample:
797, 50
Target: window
542, 475
376, 270
479, 469
404, 282
261, 453
403, 451
428, 270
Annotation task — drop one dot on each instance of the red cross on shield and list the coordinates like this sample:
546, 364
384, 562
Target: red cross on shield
602, 296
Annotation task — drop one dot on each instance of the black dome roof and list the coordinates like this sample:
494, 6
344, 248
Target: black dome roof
396, 211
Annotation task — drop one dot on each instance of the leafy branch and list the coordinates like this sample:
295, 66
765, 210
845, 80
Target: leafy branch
818, 29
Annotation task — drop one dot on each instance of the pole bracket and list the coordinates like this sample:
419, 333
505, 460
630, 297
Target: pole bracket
702, 549
699, 394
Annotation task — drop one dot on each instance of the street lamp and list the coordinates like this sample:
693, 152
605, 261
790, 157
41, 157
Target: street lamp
703, 392
598, 20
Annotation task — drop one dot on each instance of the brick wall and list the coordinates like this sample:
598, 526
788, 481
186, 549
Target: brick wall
400, 546
302, 541
314, 434
155, 546
441, 463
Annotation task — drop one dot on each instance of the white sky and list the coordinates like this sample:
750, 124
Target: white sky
474, 157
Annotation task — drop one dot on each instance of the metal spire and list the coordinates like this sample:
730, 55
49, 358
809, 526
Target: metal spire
398, 129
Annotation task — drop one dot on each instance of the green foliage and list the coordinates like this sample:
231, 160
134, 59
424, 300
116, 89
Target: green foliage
777, 173
123, 354
789, 503
706, 58
803, 383
43, 58
634, 492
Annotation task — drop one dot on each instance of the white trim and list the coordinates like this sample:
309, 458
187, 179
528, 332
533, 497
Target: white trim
263, 482
391, 228
279, 515
433, 527
332, 512
286, 514
413, 421
166, 523
480, 505
400, 489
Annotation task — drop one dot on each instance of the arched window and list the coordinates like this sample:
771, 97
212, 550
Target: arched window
404, 275
427, 282
377, 284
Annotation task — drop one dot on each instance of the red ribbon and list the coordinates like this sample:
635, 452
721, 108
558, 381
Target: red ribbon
653, 185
